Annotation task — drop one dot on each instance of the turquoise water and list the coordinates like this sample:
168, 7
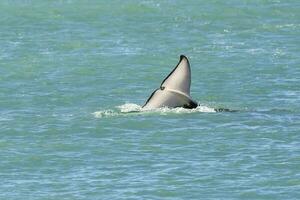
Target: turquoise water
72, 71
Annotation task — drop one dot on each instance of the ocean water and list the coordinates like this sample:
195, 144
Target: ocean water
74, 74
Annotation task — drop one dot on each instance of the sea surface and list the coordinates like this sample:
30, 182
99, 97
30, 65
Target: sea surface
75, 73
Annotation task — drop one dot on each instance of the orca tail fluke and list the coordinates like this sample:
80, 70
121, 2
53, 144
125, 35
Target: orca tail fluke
174, 91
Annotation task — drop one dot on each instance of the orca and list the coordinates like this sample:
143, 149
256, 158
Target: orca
174, 91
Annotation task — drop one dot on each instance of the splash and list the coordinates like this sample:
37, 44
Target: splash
134, 109
129, 107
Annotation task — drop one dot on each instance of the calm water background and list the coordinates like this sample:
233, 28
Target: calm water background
68, 68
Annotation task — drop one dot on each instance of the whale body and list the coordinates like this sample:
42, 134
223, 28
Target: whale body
174, 91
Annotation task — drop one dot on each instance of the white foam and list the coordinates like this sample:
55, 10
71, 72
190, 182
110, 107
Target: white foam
166, 110
128, 108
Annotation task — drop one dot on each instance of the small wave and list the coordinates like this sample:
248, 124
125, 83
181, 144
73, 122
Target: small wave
104, 113
130, 108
